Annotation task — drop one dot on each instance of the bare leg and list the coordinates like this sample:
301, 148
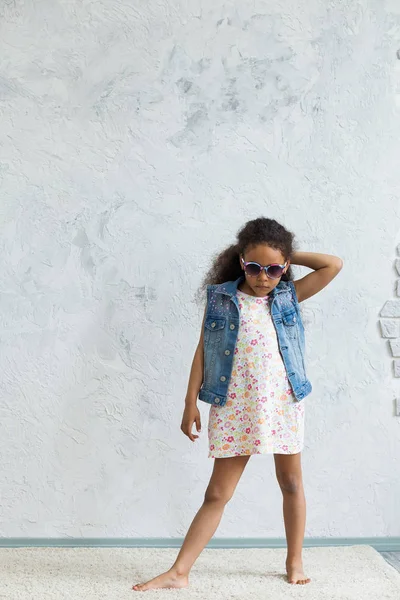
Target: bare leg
224, 479
289, 475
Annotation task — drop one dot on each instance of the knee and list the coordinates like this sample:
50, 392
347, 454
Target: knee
217, 495
289, 483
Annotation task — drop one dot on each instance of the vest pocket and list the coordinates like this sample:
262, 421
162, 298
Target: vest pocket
214, 324
290, 321
214, 335
289, 318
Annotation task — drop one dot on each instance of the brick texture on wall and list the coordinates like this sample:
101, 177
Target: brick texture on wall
390, 323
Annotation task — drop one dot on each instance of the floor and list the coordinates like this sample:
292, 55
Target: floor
393, 558
339, 573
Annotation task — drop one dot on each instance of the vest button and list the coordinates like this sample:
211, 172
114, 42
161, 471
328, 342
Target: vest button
232, 326
213, 324
227, 352
216, 400
222, 378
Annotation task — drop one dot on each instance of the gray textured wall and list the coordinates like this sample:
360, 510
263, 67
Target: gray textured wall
136, 138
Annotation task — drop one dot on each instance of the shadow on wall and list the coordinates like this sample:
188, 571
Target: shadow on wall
390, 325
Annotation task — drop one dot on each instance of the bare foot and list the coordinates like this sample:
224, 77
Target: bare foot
295, 573
169, 579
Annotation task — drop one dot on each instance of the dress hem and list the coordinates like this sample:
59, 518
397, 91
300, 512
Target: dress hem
254, 453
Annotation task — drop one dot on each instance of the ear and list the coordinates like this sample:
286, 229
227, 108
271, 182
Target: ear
287, 265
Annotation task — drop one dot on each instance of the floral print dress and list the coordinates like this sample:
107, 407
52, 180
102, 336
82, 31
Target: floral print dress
261, 415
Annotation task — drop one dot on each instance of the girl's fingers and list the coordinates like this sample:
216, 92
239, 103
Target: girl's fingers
191, 436
188, 431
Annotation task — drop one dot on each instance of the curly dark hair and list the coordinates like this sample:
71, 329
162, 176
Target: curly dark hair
225, 265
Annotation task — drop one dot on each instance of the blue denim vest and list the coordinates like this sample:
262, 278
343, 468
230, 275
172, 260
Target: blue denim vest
221, 327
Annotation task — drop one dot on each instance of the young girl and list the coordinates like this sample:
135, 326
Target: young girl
249, 366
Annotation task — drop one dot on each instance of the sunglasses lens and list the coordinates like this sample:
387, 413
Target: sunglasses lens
275, 272
253, 270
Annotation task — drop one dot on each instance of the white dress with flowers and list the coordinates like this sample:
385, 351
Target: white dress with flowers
261, 415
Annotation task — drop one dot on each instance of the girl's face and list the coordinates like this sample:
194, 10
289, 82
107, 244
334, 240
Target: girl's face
261, 285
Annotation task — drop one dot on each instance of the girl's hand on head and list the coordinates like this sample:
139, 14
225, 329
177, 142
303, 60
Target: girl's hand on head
191, 415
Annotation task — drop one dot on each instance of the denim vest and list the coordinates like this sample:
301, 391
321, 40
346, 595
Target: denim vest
221, 327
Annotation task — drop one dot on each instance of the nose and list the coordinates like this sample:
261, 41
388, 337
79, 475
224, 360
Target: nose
263, 276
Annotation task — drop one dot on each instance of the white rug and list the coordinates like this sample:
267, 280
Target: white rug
346, 573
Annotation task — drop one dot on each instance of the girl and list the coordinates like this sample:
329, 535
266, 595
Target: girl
249, 366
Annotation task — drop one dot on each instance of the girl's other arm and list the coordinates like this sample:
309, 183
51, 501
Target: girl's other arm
191, 414
326, 267
196, 372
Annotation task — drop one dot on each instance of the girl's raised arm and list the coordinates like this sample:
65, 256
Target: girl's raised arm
326, 267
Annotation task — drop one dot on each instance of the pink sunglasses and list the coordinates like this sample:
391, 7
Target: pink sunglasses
273, 271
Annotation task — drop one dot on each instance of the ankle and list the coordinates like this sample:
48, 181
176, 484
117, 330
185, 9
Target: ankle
294, 560
178, 572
